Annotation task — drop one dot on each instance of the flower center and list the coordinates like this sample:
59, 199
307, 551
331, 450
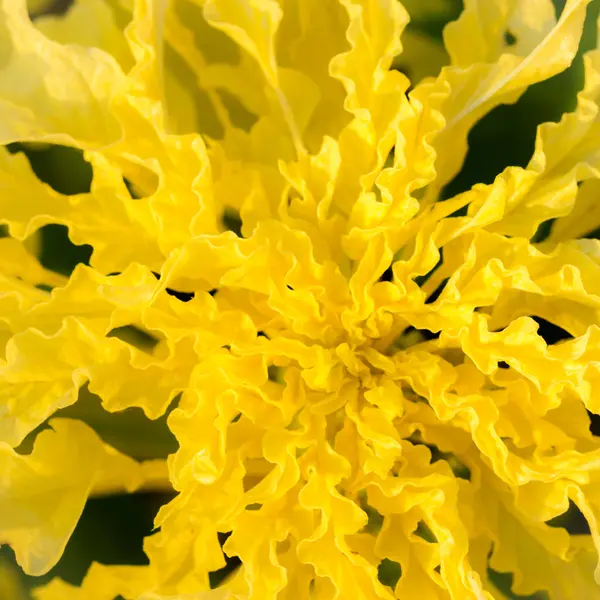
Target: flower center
365, 363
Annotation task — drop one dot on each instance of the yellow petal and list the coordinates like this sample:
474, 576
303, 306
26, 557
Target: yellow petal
145, 36
487, 24
540, 550
585, 216
101, 582
374, 95
16, 261
30, 394
466, 93
309, 37
66, 96
253, 28
116, 217
92, 24
44, 493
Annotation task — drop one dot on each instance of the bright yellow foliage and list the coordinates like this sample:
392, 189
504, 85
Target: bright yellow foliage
311, 390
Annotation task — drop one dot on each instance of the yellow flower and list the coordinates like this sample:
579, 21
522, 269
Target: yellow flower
364, 401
